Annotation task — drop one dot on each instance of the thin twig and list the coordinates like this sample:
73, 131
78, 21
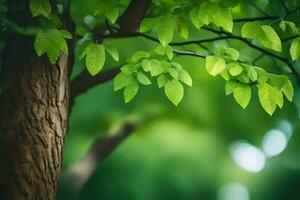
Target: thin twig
188, 53
256, 19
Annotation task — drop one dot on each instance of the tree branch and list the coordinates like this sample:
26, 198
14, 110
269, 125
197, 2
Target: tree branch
79, 173
85, 81
131, 19
188, 53
252, 19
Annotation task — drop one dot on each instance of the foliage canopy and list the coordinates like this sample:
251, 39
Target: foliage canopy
172, 25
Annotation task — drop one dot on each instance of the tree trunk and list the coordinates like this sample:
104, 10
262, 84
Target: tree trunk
33, 122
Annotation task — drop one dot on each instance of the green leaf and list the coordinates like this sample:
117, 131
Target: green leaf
288, 90
195, 18
295, 49
138, 56
130, 91
147, 25
182, 28
113, 52
167, 50
129, 68
51, 42
223, 18
95, 58
162, 80
262, 75
122, 80
269, 97
265, 34
185, 77
174, 91
143, 79
225, 75
242, 94
229, 86
160, 50
283, 84
235, 69
156, 67
216, 13
173, 72
65, 34
112, 14
251, 30
206, 12
284, 25
231, 53
146, 64
252, 74
214, 65
40, 7
165, 29
271, 39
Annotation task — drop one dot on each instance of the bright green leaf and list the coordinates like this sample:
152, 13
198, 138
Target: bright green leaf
295, 49
113, 52
122, 80
165, 29
138, 56
251, 30
146, 64
195, 18
156, 68
229, 86
174, 91
214, 65
95, 58
242, 94
143, 79
269, 97
173, 72
288, 90
162, 80
130, 91
235, 69
271, 39
231, 53
185, 77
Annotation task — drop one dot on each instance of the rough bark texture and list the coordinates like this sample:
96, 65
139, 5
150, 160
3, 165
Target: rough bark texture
33, 115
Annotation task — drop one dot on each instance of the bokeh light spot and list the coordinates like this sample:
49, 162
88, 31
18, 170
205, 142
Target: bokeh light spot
234, 191
248, 157
274, 142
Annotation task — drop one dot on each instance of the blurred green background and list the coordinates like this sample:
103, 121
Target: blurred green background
206, 148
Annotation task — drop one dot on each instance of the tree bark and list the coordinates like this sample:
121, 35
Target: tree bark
33, 122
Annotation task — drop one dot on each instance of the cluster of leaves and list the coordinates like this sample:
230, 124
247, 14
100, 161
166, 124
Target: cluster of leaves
168, 17
50, 38
241, 76
158, 63
178, 19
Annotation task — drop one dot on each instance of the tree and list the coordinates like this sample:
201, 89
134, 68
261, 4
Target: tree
43, 40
